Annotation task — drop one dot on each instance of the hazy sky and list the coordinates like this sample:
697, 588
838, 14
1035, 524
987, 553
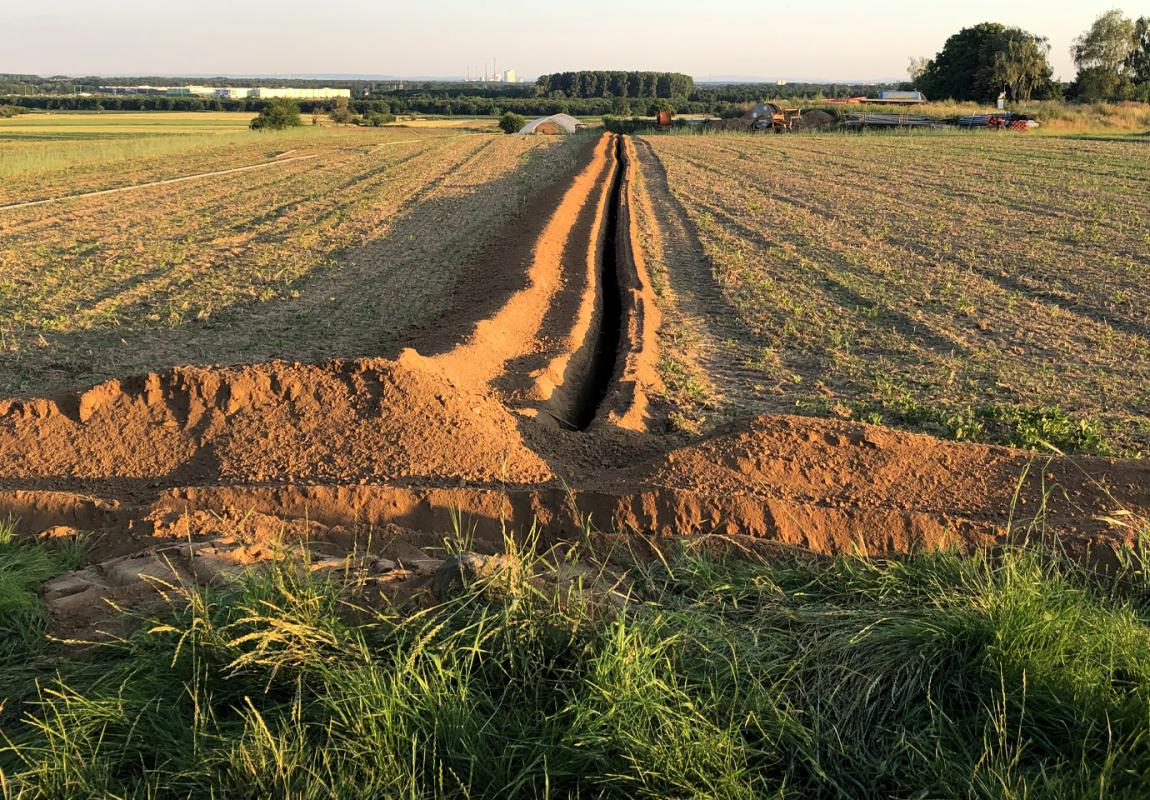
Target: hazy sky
809, 39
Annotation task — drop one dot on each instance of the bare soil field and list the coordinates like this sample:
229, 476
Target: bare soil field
978, 287
344, 240
506, 380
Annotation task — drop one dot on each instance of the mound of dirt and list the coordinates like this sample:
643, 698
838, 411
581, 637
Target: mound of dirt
471, 431
831, 464
344, 421
742, 123
814, 120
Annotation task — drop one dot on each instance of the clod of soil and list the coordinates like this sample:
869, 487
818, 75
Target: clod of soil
338, 422
464, 569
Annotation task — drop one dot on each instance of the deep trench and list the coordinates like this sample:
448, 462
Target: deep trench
609, 332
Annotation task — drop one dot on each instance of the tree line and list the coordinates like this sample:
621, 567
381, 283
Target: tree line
615, 83
175, 103
981, 62
976, 64
709, 100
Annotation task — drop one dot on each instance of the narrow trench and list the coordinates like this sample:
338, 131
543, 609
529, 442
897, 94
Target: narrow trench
608, 336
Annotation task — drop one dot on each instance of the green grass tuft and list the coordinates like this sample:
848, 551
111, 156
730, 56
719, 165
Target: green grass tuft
932, 676
1027, 427
24, 565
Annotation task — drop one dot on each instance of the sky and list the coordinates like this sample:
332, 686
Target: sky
789, 40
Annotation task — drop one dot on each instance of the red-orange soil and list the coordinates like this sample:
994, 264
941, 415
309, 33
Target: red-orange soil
476, 418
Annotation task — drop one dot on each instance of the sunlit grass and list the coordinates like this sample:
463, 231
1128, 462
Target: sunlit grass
939, 675
40, 143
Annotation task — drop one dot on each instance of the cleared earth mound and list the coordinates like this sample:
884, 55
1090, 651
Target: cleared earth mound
344, 421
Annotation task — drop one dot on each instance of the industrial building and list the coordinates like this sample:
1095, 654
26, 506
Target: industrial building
195, 91
507, 76
298, 94
231, 92
126, 90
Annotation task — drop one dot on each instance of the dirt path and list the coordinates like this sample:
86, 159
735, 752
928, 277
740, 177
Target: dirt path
473, 423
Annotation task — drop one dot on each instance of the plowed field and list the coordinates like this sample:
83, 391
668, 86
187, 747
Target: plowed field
978, 287
355, 236
495, 348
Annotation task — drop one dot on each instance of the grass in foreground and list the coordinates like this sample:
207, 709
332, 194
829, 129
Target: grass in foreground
23, 567
934, 676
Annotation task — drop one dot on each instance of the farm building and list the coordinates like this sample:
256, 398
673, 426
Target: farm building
193, 91
554, 124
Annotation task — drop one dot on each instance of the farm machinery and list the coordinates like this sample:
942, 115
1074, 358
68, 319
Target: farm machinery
773, 117
999, 120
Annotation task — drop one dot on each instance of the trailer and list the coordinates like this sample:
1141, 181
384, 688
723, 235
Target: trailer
872, 119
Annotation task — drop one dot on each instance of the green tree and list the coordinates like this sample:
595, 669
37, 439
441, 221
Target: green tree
511, 123
976, 63
341, 113
1139, 60
620, 106
1023, 66
962, 69
636, 85
276, 115
1102, 55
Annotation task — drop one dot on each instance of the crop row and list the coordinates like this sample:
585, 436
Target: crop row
927, 277
327, 256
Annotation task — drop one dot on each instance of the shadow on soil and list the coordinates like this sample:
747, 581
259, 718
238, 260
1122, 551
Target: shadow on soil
371, 301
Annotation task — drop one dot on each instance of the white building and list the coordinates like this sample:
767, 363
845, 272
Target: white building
264, 93
197, 91
509, 76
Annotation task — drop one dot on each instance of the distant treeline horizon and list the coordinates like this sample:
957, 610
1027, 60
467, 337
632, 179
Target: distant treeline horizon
980, 63
584, 93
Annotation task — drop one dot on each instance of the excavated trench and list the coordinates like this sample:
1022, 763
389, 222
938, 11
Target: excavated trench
419, 442
602, 373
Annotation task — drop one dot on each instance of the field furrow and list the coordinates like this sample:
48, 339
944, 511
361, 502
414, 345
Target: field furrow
912, 278
330, 256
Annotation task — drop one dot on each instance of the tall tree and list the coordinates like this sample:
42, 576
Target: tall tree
341, 113
977, 63
1023, 65
616, 83
1102, 55
1139, 60
917, 68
